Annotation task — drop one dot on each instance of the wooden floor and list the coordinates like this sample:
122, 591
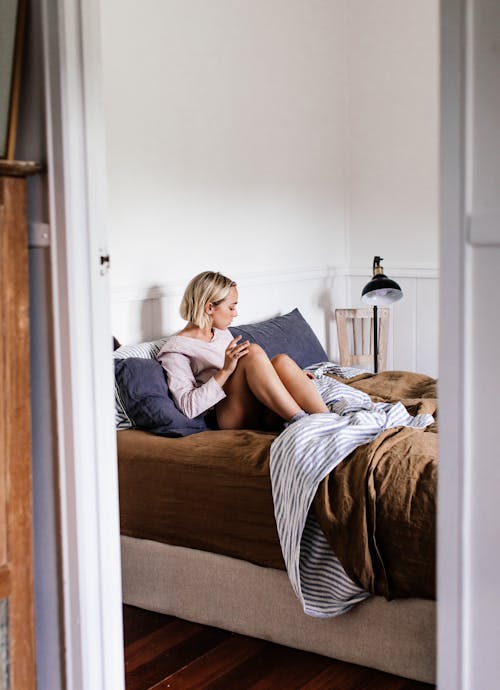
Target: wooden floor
166, 652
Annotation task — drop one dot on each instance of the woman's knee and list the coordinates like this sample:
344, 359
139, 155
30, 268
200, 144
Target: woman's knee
283, 361
255, 352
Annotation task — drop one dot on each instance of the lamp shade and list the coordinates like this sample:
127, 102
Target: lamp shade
381, 290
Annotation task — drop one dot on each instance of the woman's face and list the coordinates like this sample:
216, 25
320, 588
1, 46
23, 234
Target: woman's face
223, 313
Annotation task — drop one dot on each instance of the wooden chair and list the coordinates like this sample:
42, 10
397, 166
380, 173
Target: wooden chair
355, 336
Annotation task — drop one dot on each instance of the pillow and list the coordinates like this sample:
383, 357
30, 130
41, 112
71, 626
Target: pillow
142, 393
289, 334
147, 349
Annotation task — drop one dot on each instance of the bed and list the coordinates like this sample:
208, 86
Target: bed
199, 534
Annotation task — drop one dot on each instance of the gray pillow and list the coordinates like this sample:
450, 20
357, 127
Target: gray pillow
141, 387
289, 334
146, 350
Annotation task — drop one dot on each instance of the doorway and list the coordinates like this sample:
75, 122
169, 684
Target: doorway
83, 385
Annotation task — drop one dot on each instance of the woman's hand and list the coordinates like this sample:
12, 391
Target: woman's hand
234, 352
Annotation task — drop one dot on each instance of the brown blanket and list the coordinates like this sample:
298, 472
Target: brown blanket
212, 491
209, 491
378, 507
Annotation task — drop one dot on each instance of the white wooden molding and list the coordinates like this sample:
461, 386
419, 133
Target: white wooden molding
127, 293
452, 393
87, 473
423, 272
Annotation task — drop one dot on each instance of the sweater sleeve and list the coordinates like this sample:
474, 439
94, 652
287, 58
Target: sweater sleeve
191, 398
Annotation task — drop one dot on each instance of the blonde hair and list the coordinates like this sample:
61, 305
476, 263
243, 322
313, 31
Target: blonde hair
204, 288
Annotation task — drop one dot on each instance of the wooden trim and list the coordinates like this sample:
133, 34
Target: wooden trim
3, 453
136, 293
19, 168
421, 272
5, 582
16, 80
16, 431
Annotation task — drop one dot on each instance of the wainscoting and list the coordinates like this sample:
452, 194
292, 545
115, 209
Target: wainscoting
414, 322
148, 313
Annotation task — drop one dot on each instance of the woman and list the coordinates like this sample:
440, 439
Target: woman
209, 369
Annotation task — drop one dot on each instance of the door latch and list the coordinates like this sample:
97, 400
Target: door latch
105, 262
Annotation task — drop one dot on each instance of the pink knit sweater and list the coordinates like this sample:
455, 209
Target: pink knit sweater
190, 365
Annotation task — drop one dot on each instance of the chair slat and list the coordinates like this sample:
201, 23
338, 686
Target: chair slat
355, 337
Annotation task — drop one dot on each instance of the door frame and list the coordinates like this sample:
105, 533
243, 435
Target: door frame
468, 527
86, 444
450, 528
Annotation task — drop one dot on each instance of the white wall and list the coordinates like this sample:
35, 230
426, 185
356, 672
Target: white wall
392, 67
282, 142
226, 129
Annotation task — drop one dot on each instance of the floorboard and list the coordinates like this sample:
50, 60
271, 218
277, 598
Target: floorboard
166, 652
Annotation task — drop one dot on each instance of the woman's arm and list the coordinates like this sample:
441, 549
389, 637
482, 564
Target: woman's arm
232, 354
191, 398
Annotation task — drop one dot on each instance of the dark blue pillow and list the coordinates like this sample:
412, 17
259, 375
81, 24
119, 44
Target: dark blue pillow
143, 391
289, 334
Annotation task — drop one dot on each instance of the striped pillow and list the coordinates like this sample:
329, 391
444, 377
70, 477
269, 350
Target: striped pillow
146, 350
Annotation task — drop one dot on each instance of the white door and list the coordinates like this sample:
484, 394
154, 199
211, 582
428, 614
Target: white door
469, 479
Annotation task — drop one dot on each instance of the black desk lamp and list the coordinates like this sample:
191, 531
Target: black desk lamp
379, 292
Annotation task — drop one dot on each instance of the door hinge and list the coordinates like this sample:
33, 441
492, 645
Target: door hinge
38, 235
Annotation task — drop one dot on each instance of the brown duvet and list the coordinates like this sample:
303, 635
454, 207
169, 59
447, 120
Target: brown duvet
212, 491
378, 507
209, 491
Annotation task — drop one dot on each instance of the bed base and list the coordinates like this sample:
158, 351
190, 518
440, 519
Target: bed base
397, 637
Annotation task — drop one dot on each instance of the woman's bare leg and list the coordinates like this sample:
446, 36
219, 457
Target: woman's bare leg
254, 384
298, 384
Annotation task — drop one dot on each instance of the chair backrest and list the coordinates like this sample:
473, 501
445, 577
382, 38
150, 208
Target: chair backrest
355, 336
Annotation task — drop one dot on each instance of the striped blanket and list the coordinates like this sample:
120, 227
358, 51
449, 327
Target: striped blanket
301, 456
